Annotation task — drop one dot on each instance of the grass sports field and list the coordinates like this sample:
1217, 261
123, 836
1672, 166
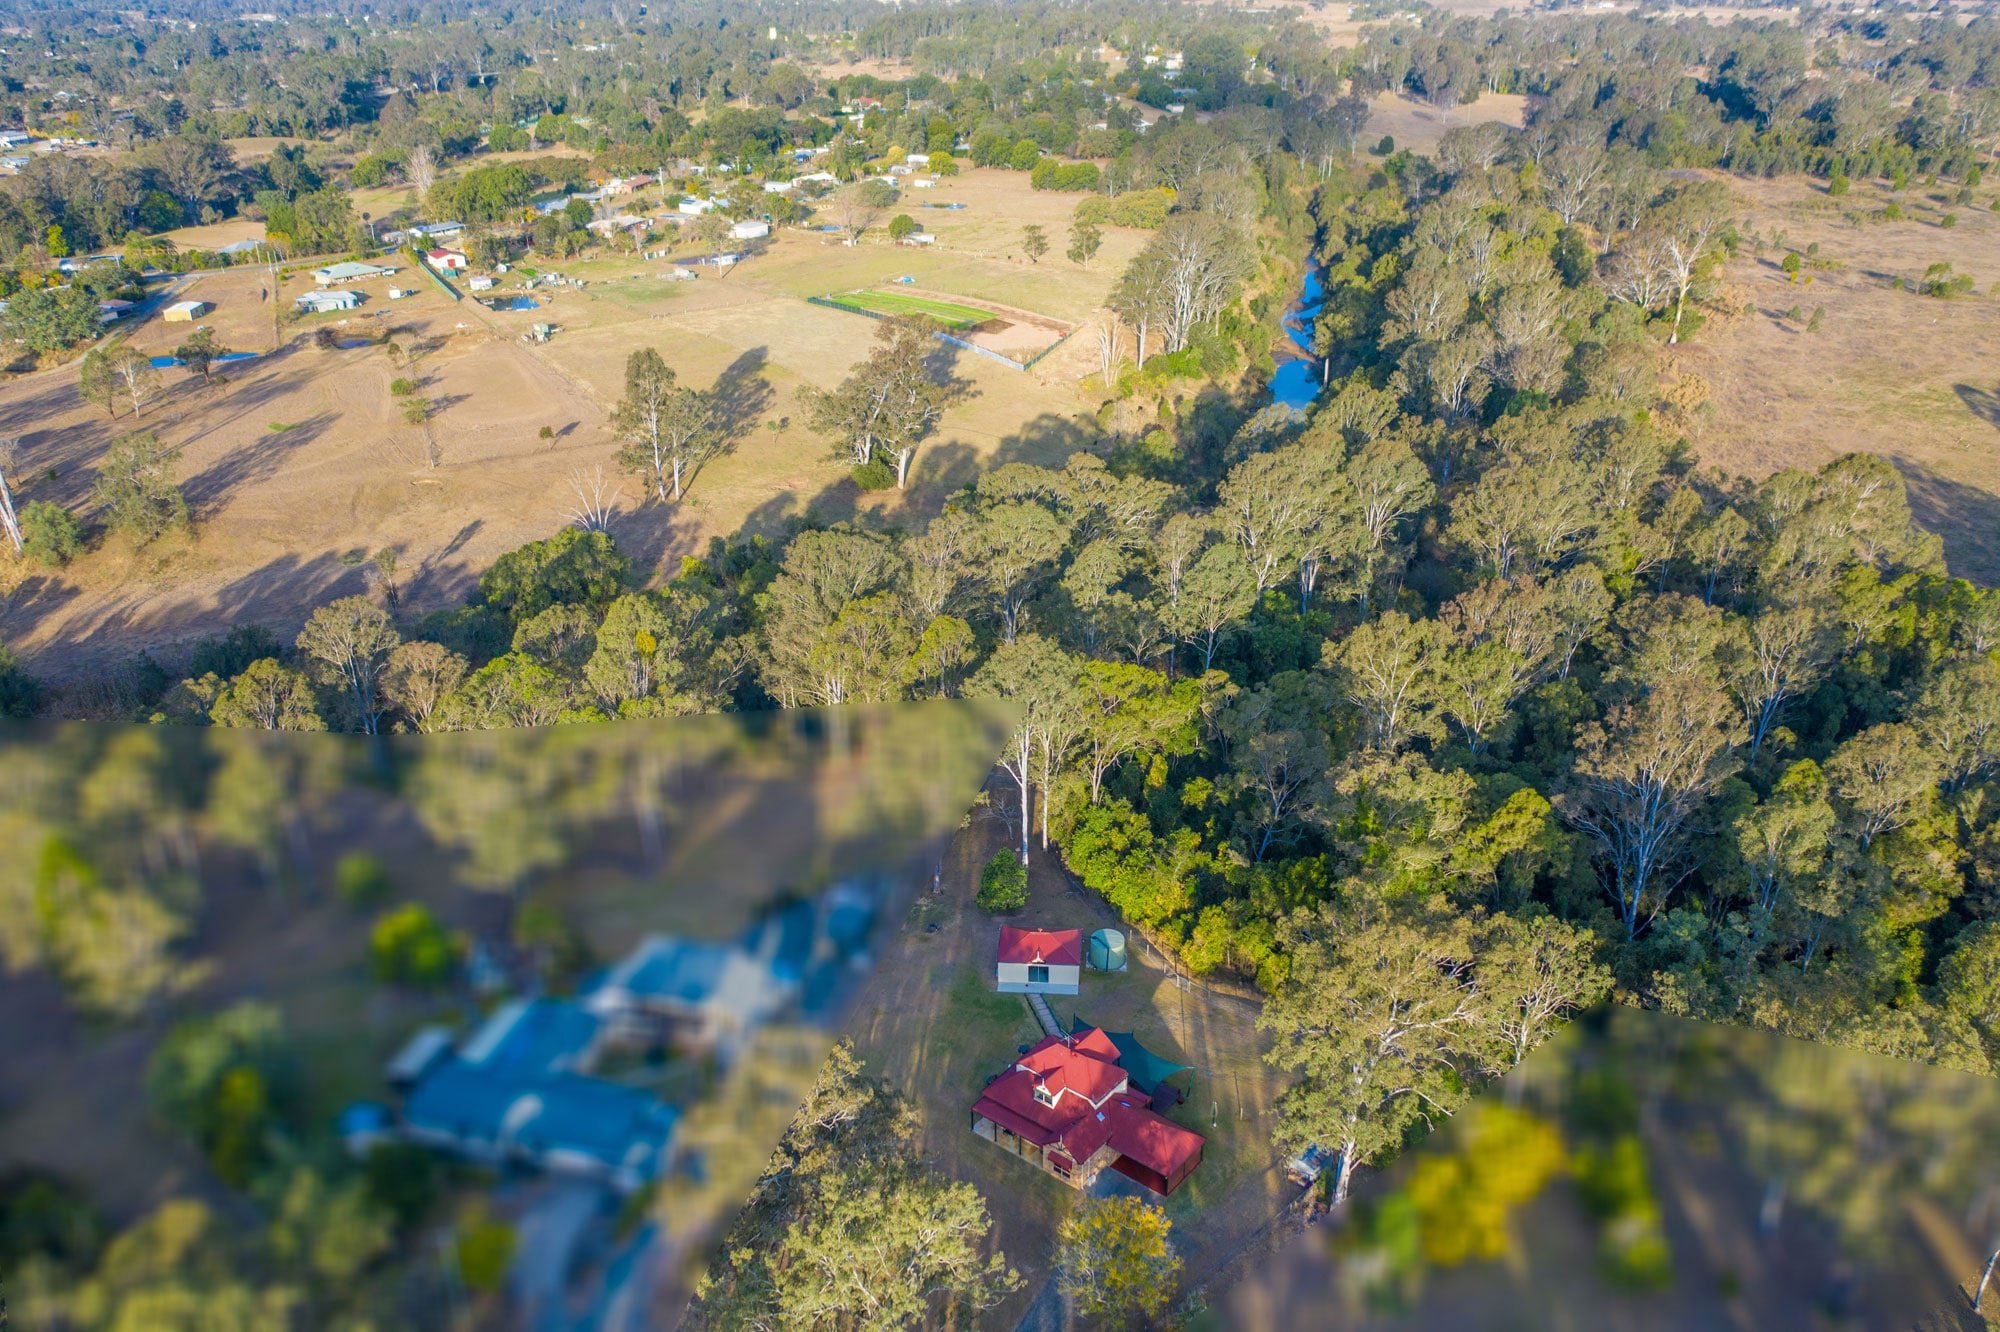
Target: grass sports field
897, 303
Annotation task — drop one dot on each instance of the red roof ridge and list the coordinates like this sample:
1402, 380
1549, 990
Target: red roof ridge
1061, 948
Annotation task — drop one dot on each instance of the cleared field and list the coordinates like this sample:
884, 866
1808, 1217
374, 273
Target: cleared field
1909, 377
1418, 126
896, 303
286, 516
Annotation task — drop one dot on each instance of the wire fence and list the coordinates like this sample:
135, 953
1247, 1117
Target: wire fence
833, 303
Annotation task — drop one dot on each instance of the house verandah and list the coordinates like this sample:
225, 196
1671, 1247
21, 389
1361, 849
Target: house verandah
1050, 1158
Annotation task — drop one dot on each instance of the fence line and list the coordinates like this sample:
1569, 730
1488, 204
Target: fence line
987, 352
1049, 350
424, 263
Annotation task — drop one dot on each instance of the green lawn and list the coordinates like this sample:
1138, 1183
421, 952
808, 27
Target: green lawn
897, 303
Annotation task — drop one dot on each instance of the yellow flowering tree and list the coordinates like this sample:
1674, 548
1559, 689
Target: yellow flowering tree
1114, 1257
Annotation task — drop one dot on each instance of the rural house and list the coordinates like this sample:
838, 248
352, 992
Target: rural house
1070, 1108
699, 995
1040, 961
514, 1093
321, 302
528, 1089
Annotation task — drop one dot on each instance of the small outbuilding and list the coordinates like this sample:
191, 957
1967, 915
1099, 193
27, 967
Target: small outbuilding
449, 261
185, 312
1039, 961
750, 230
480, 282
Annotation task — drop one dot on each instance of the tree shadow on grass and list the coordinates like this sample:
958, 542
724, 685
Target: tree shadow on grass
1982, 403
1967, 517
207, 490
280, 595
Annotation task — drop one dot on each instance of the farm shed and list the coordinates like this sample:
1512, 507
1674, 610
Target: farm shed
1039, 961
186, 312
334, 274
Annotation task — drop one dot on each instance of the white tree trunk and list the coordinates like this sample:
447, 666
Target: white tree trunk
1343, 1177
8, 519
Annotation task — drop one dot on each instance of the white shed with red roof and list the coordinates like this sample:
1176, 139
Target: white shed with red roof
1040, 961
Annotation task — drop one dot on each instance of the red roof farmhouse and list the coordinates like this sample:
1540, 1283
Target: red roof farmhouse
1068, 1106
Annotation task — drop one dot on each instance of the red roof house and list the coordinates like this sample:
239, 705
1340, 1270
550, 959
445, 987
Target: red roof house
1040, 961
1069, 1107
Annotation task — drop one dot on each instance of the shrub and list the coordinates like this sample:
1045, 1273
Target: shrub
1948, 220
1003, 884
1941, 282
485, 1249
18, 691
231, 654
874, 475
410, 946
402, 1179
361, 880
50, 534
1837, 186
226, 1080
405, 386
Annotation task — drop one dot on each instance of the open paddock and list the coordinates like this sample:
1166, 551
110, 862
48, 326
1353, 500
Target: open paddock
1418, 126
301, 465
1912, 378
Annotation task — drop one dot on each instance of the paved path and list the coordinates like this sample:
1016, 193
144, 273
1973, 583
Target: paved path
1040, 1008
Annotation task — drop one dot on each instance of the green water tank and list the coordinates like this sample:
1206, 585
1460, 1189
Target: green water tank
1107, 950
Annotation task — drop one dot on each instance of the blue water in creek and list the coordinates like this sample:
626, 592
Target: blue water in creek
166, 362
1297, 382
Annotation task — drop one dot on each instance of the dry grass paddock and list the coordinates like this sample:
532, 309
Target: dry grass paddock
1418, 126
1913, 378
300, 465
